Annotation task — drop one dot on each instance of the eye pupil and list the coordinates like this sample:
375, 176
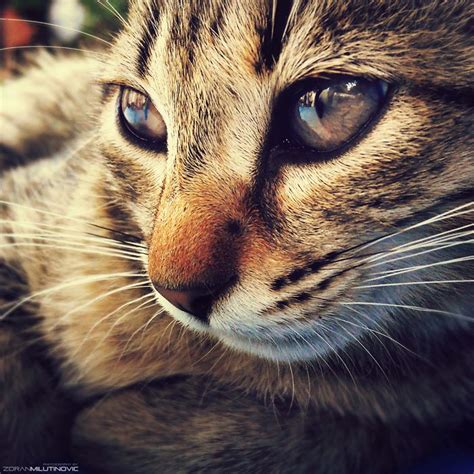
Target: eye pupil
319, 106
329, 117
140, 117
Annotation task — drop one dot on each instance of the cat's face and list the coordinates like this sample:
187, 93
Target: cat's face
263, 146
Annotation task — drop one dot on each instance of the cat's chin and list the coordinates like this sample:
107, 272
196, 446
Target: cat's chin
276, 350
273, 347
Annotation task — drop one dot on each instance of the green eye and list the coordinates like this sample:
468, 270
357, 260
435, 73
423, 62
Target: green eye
329, 117
140, 117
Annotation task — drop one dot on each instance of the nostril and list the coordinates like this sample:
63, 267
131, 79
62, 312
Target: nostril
201, 307
197, 300
181, 299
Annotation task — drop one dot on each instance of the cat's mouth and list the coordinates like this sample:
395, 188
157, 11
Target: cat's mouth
288, 344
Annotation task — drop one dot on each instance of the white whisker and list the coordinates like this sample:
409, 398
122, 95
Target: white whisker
109, 7
374, 331
103, 296
402, 271
55, 25
356, 339
89, 250
458, 211
147, 297
332, 349
433, 240
68, 284
46, 46
145, 325
142, 306
404, 306
68, 239
61, 216
434, 237
430, 250
292, 386
413, 283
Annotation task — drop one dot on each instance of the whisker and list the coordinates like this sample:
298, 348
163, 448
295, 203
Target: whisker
146, 297
87, 250
436, 249
142, 328
332, 349
336, 353
53, 228
410, 283
456, 212
124, 351
54, 47
203, 357
357, 249
429, 241
103, 296
150, 320
98, 298
356, 339
402, 271
224, 353
404, 306
68, 284
63, 317
56, 25
74, 240
142, 306
379, 333
110, 8
72, 219
293, 390
422, 243
430, 237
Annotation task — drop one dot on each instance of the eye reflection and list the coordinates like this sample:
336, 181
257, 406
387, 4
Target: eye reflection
141, 117
327, 118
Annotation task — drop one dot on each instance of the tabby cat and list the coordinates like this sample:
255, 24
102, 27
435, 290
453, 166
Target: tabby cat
239, 239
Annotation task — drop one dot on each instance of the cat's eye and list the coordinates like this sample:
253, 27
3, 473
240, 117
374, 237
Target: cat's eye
140, 117
328, 117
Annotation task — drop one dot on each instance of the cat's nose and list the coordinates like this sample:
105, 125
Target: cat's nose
196, 301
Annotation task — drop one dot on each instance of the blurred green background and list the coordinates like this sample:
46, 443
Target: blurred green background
92, 16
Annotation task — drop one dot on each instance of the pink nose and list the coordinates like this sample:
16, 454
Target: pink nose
195, 301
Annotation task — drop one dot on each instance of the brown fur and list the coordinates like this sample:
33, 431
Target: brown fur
368, 392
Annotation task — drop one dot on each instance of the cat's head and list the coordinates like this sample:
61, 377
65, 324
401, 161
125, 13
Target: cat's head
301, 171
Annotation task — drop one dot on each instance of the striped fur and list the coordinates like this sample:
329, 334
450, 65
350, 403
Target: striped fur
344, 341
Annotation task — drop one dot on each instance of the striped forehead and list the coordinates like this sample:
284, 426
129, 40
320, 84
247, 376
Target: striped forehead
264, 25
262, 22
191, 57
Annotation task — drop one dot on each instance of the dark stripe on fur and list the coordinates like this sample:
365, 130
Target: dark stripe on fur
148, 41
9, 158
219, 19
272, 35
310, 268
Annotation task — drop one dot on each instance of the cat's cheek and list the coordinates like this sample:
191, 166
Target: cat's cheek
138, 174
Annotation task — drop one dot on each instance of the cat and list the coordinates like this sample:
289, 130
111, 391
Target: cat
239, 240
